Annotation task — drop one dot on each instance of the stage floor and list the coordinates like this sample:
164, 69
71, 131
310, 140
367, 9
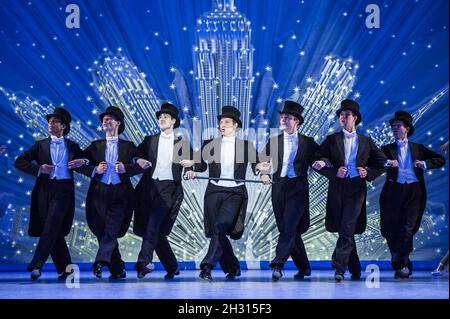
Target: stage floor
253, 284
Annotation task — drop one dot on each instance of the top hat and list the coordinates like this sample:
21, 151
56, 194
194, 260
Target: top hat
406, 118
294, 109
352, 106
231, 112
117, 113
64, 116
170, 109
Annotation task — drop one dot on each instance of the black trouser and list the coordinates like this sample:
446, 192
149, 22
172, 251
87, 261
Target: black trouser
53, 199
352, 196
110, 203
289, 201
224, 203
404, 214
155, 238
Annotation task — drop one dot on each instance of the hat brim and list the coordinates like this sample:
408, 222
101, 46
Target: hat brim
300, 118
406, 122
357, 113
236, 119
177, 120
122, 121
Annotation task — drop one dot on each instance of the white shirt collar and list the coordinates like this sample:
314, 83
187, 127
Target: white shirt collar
226, 139
112, 138
165, 135
57, 139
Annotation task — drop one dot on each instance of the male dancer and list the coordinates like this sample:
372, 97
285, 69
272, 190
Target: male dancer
404, 196
52, 160
348, 159
159, 192
290, 191
110, 198
225, 202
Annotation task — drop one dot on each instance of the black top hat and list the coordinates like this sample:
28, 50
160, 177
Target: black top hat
170, 109
231, 112
406, 118
64, 116
117, 113
352, 106
293, 108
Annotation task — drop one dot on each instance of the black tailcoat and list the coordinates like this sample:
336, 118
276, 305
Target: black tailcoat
245, 153
30, 162
307, 148
149, 151
332, 151
418, 152
95, 153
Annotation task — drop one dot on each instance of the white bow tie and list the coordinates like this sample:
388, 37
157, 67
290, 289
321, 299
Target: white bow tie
349, 135
57, 140
112, 139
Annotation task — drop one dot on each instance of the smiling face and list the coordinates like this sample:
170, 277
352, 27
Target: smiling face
110, 124
400, 130
55, 126
166, 121
289, 123
228, 126
347, 120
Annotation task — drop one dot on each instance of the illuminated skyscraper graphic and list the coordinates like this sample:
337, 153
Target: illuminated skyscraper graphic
223, 61
121, 84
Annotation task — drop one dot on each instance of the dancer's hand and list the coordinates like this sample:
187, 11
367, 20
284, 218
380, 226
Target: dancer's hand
101, 168
186, 163
120, 168
265, 179
46, 169
75, 163
318, 165
419, 164
263, 166
144, 164
342, 172
362, 172
189, 175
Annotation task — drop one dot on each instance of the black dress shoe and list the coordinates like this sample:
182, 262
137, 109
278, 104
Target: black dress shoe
205, 273
403, 273
233, 274
171, 275
35, 274
276, 274
122, 275
338, 276
143, 270
302, 274
97, 269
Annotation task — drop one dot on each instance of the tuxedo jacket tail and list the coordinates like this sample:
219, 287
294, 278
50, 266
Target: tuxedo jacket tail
245, 153
418, 152
306, 151
149, 151
95, 153
368, 156
30, 162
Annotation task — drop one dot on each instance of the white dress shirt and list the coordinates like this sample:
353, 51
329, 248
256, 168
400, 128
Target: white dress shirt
111, 156
227, 158
405, 164
163, 169
60, 158
351, 151
290, 142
